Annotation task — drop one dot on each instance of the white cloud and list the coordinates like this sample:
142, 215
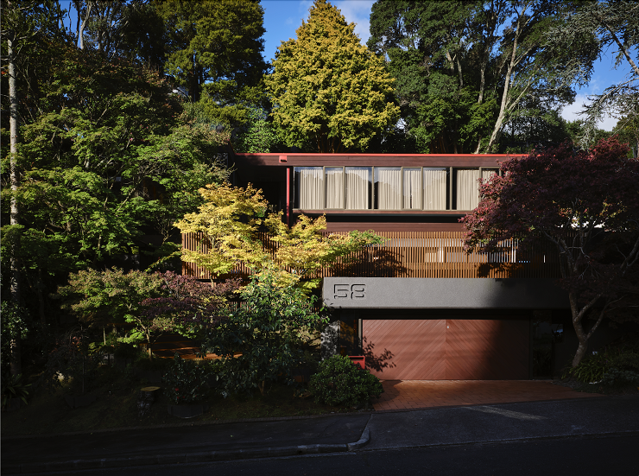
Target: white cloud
571, 113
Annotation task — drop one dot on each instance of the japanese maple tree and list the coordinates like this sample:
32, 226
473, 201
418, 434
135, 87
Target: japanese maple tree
587, 204
228, 226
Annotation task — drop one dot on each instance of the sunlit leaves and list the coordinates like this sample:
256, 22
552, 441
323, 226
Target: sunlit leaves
330, 93
229, 225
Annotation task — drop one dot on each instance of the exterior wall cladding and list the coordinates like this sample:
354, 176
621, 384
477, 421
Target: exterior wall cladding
418, 306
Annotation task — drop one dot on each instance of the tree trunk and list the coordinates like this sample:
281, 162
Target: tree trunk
582, 338
579, 355
577, 324
148, 348
503, 107
82, 26
42, 307
15, 283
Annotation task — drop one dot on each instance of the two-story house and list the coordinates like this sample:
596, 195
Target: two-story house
419, 302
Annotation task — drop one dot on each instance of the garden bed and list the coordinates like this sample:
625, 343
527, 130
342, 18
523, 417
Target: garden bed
116, 406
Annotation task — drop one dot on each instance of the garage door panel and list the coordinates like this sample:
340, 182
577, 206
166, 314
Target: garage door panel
487, 349
451, 349
417, 347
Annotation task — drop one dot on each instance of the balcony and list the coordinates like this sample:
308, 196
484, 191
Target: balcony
420, 255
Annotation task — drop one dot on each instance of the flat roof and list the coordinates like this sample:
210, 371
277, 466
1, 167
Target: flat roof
373, 160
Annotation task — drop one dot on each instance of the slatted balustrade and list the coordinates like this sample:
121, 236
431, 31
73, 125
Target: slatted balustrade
418, 255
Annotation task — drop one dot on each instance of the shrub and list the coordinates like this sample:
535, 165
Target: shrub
627, 360
613, 364
340, 382
615, 376
591, 368
271, 331
185, 381
14, 387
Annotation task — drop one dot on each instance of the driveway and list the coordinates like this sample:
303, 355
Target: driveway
415, 394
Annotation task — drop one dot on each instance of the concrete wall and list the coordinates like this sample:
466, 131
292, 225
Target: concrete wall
443, 293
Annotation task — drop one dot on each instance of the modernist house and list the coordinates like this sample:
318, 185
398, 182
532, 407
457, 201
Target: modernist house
419, 302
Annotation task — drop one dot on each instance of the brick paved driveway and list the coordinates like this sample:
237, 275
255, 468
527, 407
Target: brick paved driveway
411, 394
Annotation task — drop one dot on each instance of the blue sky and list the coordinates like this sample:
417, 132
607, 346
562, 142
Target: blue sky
283, 17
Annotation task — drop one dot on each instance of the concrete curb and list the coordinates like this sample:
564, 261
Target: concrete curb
366, 436
182, 458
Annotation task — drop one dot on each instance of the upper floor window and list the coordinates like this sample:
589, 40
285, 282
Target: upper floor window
467, 187
388, 188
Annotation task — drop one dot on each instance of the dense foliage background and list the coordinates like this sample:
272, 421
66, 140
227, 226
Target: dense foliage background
114, 118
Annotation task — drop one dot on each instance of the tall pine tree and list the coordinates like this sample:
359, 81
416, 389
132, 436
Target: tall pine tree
330, 93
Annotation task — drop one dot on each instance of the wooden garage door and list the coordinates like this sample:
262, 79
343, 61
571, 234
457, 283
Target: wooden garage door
469, 349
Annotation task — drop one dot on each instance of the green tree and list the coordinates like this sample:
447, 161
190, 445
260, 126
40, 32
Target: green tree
330, 93
214, 50
129, 28
99, 298
581, 134
106, 164
108, 158
615, 24
627, 128
258, 135
463, 68
24, 26
153, 302
534, 124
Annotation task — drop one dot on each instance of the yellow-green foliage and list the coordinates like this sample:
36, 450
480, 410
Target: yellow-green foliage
229, 222
329, 90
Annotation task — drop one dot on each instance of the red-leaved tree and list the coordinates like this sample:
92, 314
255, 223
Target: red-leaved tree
587, 204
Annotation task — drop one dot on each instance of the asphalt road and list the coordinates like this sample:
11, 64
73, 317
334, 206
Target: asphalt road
598, 436
601, 456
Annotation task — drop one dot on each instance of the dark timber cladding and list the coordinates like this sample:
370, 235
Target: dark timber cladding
451, 349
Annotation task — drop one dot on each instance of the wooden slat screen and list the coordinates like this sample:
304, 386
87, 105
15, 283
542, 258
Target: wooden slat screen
420, 255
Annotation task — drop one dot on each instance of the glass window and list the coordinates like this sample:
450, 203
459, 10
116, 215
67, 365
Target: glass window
334, 187
467, 185
435, 187
412, 189
388, 188
456, 255
433, 254
358, 188
309, 188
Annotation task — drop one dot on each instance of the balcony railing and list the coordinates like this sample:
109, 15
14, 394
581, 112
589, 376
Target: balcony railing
419, 255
